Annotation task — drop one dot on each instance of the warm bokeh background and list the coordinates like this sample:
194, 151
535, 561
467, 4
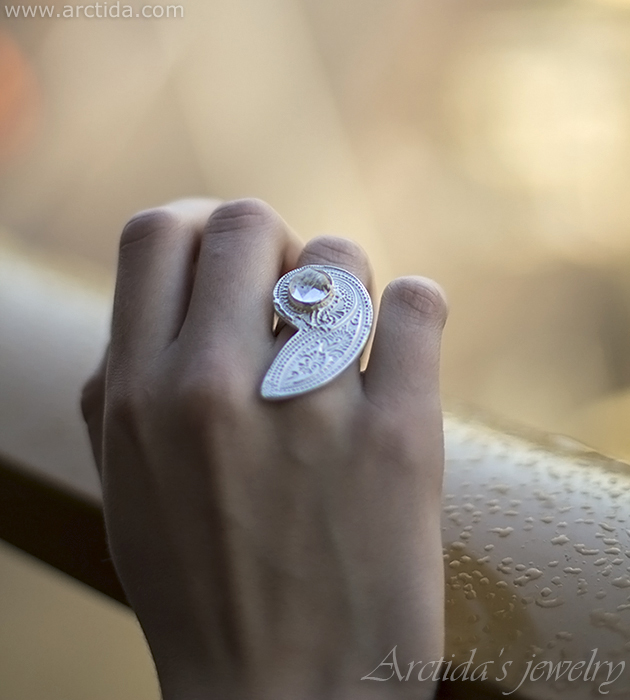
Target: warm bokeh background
485, 143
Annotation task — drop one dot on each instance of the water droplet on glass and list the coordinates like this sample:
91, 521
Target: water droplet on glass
502, 531
549, 602
560, 539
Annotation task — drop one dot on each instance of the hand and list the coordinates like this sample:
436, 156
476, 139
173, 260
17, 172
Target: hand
271, 550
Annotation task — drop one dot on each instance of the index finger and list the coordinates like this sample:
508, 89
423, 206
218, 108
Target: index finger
158, 248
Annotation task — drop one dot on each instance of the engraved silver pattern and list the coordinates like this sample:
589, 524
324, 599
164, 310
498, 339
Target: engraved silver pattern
330, 336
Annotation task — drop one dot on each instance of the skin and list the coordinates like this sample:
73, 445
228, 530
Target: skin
271, 550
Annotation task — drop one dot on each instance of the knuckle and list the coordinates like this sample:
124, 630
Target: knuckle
214, 393
147, 223
338, 251
242, 215
322, 412
419, 298
195, 396
391, 443
127, 406
408, 453
386, 431
92, 395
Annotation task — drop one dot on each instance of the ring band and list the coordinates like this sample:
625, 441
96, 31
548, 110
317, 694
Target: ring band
332, 312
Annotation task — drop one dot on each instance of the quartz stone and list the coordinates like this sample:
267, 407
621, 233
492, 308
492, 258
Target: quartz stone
310, 288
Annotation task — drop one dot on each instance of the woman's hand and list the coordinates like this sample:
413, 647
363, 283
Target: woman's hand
271, 550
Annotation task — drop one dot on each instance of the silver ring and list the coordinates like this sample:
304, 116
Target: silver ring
332, 313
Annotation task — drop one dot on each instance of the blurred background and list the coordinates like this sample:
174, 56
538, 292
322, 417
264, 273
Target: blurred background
484, 143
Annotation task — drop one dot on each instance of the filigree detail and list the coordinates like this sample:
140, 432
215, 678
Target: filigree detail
328, 340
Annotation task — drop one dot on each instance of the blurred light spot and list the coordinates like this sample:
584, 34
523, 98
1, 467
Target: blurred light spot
540, 105
610, 3
19, 100
544, 110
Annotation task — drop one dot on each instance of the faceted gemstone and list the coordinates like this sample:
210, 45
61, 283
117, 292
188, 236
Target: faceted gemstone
310, 287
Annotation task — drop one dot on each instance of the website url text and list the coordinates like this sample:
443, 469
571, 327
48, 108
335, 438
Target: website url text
99, 10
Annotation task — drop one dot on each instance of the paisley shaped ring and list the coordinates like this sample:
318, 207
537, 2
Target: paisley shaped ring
332, 312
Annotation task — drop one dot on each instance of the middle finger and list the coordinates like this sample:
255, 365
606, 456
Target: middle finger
245, 248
